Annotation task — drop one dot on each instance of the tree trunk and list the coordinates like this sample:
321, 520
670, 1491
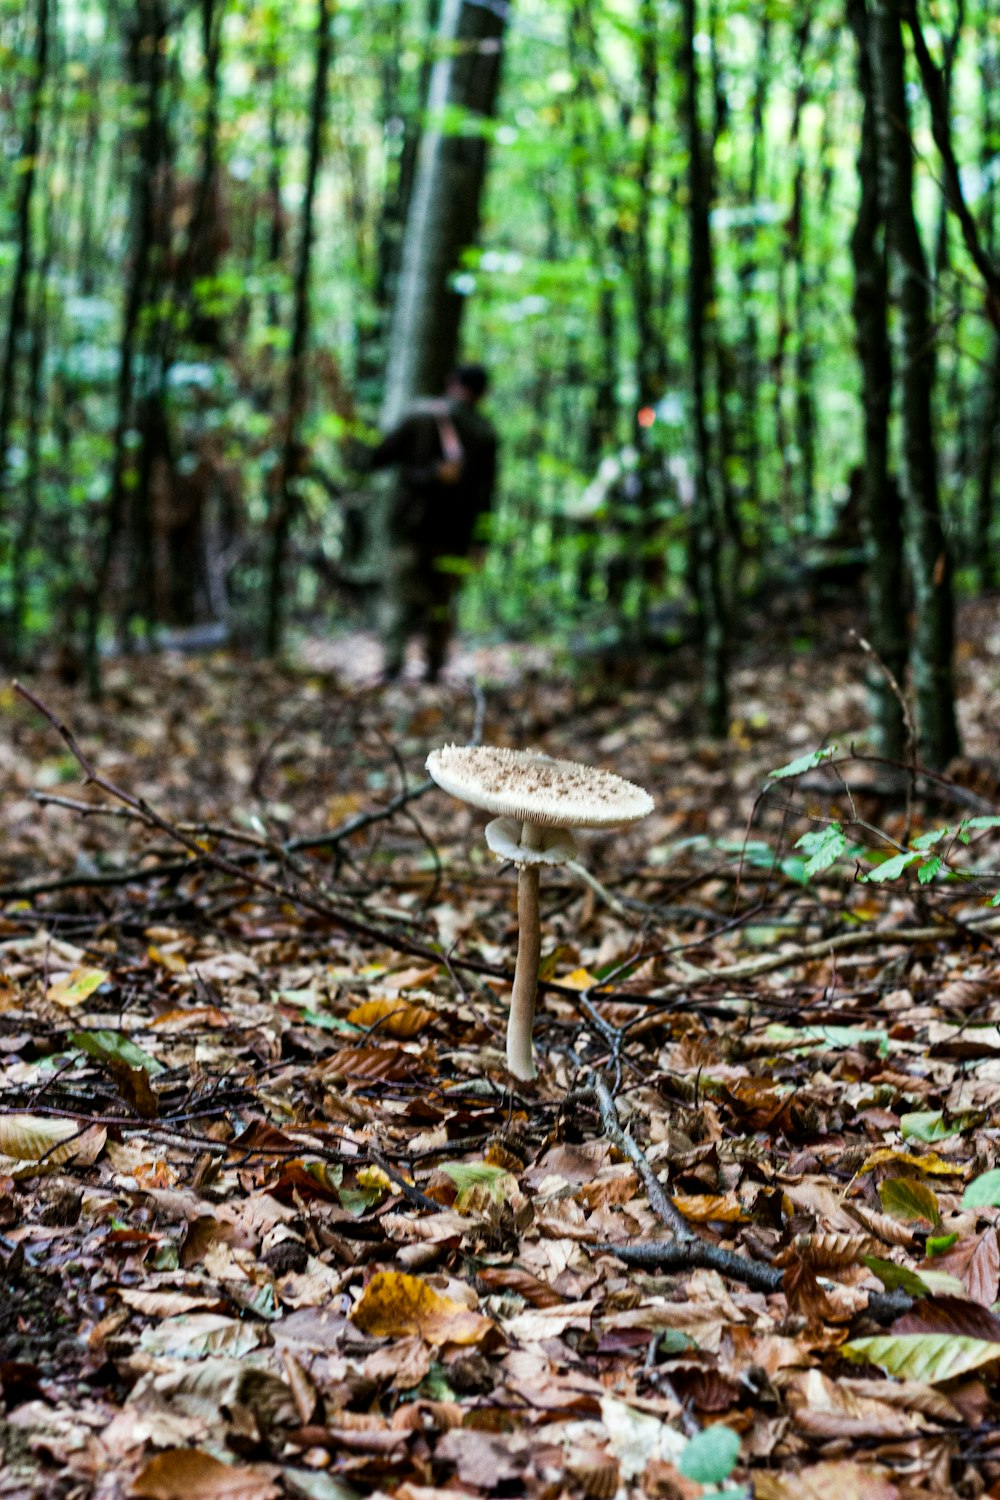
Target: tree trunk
443, 213
17, 309
880, 496
146, 67
749, 366
930, 561
290, 461
706, 537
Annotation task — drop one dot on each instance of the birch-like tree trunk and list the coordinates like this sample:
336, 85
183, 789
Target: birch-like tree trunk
443, 212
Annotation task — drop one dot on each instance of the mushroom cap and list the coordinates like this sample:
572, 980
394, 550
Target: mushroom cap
534, 788
503, 836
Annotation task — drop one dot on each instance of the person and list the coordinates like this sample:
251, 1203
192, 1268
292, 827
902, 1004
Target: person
445, 452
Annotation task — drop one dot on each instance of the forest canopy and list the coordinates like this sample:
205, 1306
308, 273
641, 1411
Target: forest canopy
733, 269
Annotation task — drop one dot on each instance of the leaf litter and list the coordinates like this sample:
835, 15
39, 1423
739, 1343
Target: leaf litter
274, 1221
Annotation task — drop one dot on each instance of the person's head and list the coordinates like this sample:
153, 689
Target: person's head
468, 383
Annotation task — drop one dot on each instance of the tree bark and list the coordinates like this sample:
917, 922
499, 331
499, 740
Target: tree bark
931, 657
290, 461
17, 309
146, 67
706, 538
443, 212
880, 498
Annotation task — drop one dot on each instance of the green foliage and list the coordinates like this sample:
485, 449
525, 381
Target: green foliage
574, 297
983, 1191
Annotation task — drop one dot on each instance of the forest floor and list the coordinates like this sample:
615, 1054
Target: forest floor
273, 1220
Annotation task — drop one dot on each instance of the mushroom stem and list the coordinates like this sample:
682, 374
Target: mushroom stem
520, 1057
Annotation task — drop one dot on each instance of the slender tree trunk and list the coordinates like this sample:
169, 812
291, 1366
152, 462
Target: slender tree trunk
930, 561
291, 456
881, 501
721, 354
24, 565
987, 427
647, 335
749, 367
17, 309
988, 444
146, 67
588, 143
444, 206
706, 530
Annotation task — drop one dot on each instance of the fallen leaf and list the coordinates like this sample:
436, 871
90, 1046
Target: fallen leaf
190, 1474
77, 987
396, 1018
394, 1304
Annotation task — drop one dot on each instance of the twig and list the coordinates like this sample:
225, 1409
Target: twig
598, 1091
670, 1255
409, 1190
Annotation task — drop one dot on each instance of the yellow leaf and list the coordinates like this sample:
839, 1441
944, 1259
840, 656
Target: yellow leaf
374, 1177
580, 979
341, 807
395, 1018
76, 987
932, 1163
172, 962
393, 1304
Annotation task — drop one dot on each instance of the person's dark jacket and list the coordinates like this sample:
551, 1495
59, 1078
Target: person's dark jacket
440, 517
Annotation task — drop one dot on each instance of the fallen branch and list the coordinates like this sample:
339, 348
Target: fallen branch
672, 1255
598, 1091
687, 1250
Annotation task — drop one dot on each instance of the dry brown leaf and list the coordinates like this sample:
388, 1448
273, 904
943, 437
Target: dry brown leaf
702, 1208
831, 1481
190, 1474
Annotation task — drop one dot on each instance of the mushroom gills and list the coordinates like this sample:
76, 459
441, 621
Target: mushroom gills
529, 843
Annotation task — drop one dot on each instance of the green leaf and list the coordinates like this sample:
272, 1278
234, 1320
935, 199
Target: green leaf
895, 1277
358, 1200
112, 1046
470, 1175
925, 1125
824, 848
803, 763
908, 1199
932, 1357
983, 1191
890, 869
330, 1023
711, 1456
928, 871
939, 1244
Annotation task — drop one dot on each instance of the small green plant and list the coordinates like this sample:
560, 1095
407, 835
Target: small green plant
928, 855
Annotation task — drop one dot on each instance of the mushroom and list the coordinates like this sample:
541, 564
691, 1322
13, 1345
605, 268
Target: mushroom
537, 802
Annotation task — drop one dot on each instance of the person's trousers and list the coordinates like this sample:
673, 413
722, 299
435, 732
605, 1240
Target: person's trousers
419, 600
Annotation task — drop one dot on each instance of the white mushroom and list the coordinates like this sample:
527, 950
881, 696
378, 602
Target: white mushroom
537, 801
